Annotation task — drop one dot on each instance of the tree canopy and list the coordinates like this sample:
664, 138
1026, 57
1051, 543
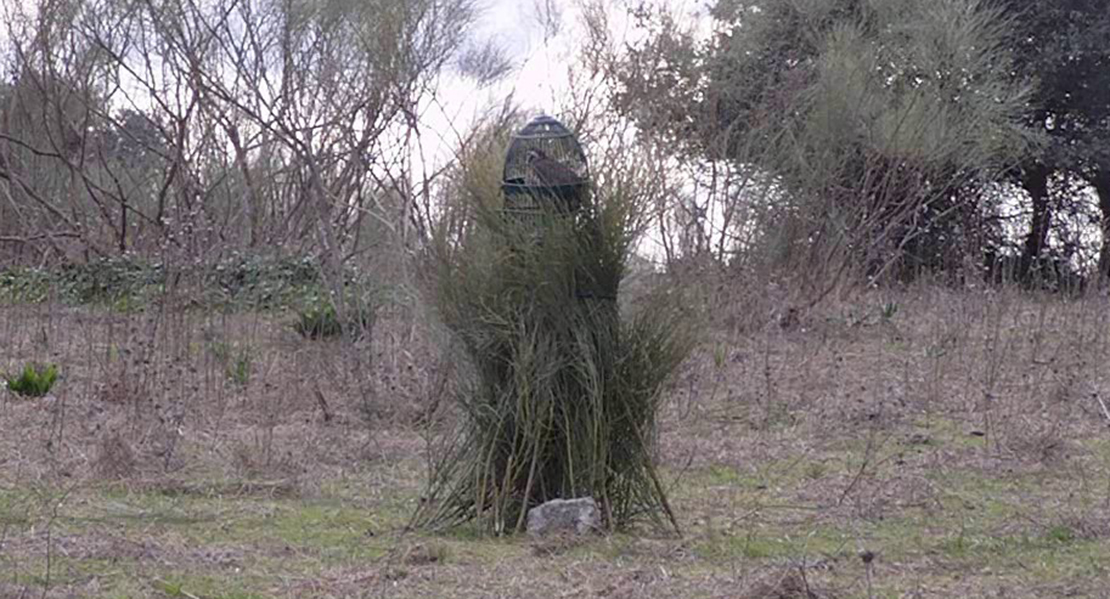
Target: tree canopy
886, 126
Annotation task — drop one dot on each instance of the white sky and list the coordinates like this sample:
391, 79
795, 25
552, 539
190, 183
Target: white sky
538, 79
540, 75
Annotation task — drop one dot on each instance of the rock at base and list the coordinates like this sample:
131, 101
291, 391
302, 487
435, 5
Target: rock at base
579, 516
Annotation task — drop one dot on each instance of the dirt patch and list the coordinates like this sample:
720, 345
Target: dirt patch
788, 584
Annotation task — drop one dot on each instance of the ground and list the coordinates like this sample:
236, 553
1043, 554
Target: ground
920, 443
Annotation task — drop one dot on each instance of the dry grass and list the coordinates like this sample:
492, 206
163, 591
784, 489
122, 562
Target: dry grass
959, 439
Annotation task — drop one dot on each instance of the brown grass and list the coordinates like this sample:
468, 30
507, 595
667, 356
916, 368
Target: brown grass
959, 439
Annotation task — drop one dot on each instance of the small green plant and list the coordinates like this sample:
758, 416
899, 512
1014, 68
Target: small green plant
888, 310
319, 320
34, 380
720, 353
239, 369
1060, 534
815, 470
238, 362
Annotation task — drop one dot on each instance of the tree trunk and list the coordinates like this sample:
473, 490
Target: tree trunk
1101, 183
1035, 181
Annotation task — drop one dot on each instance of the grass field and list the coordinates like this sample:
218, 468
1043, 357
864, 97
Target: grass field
926, 443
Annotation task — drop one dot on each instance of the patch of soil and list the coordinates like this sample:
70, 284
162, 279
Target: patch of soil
785, 585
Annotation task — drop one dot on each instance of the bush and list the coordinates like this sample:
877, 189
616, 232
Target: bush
31, 285
318, 318
238, 362
34, 381
562, 391
260, 282
119, 281
130, 282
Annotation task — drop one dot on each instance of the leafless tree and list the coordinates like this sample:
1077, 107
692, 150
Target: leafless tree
196, 127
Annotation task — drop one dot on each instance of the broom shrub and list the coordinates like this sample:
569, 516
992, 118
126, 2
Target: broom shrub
562, 393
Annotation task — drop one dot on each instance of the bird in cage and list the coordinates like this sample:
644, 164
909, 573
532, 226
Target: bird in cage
550, 172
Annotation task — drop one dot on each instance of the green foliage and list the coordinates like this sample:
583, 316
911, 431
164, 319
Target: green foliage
1061, 534
35, 380
888, 310
260, 282
25, 285
127, 283
318, 318
121, 283
562, 392
112, 281
239, 369
720, 353
1062, 47
852, 126
926, 84
238, 362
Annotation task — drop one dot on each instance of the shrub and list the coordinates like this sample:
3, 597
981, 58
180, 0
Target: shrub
318, 318
238, 362
120, 281
562, 391
260, 282
30, 285
33, 381
129, 282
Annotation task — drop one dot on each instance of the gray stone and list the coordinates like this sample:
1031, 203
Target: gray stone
579, 516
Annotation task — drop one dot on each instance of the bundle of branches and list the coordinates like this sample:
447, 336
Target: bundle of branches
562, 395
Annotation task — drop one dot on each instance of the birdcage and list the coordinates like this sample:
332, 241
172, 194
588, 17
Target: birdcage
545, 168
546, 174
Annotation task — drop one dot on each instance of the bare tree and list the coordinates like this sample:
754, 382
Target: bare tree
201, 126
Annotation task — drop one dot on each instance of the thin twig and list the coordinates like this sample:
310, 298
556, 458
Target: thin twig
323, 404
1105, 411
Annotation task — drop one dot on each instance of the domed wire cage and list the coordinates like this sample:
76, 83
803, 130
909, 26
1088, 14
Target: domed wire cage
544, 164
546, 172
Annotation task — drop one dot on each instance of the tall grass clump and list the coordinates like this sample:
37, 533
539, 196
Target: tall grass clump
562, 391
35, 380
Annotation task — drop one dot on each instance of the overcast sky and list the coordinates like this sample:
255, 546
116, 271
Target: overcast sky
537, 79
511, 21
540, 61
517, 25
